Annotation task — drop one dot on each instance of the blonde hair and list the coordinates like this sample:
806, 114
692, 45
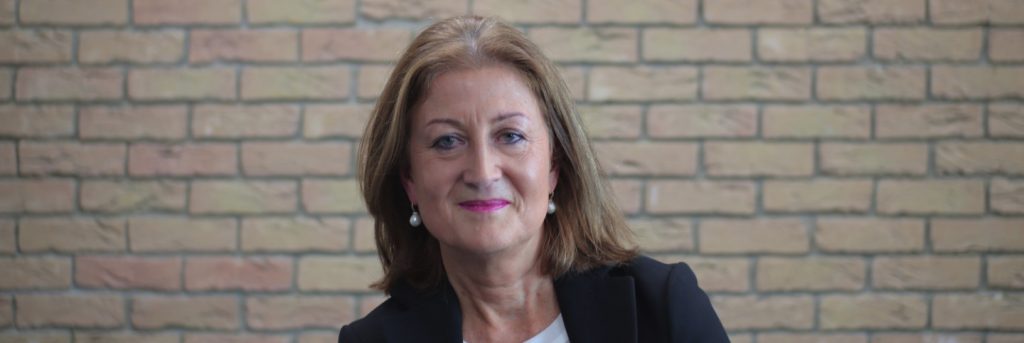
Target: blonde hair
587, 231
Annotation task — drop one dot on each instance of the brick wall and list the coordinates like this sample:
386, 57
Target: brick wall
834, 170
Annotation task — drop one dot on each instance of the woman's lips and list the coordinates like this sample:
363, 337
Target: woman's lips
489, 205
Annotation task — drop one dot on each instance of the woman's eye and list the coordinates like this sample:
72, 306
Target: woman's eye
511, 137
446, 142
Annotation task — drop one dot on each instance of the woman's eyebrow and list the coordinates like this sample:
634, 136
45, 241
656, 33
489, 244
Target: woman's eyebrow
449, 121
507, 116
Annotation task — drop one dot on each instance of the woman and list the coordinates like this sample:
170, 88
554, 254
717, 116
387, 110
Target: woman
493, 223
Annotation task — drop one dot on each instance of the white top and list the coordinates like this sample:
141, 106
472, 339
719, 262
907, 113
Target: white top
554, 333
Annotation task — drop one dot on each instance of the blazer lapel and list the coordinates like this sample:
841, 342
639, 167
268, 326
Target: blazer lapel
598, 308
430, 317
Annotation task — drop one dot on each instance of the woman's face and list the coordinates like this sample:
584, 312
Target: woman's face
480, 161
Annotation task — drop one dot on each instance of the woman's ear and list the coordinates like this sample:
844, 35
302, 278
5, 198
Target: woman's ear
410, 189
553, 177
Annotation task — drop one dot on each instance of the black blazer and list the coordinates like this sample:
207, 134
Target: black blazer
642, 301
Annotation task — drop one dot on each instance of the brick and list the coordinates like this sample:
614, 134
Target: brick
663, 234
811, 338
295, 83
28, 121
931, 196
611, 121
6, 312
978, 311
928, 120
188, 159
36, 46
332, 196
298, 312
871, 83
1006, 196
244, 121
642, 83
314, 337
106, 46
1004, 45
756, 83
689, 45
242, 197
979, 157
677, 196
251, 45
381, 45
810, 274
364, 235
216, 83
627, 194
296, 158
672, 121
721, 274
334, 273
35, 273
740, 236
1002, 338
757, 159
1005, 120
182, 234
531, 11
811, 44
642, 12
977, 235
72, 235
8, 239
36, 337
929, 337
330, 121
874, 158
745, 12
160, 12
927, 44
818, 195
6, 83
751, 312
37, 195
78, 311
369, 302
587, 44
816, 121
234, 338
69, 83
133, 122
371, 82
300, 234
89, 159
1005, 271
304, 12
575, 78
871, 11
242, 274
7, 15
926, 272
74, 12
873, 311
128, 272
412, 9
647, 158
201, 312
132, 196
120, 337
8, 159
983, 82
869, 235
972, 12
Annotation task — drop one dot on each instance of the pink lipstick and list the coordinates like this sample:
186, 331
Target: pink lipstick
489, 205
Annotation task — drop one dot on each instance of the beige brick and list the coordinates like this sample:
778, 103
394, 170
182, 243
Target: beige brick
182, 234
757, 159
869, 235
871, 11
71, 158
672, 121
243, 197
298, 312
296, 158
742, 236
817, 121
7, 12
531, 11
384, 45
69, 83
812, 338
978, 311
627, 194
364, 235
756, 83
931, 196
611, 121
328, 121
750, 312
36, 337
927, 44
980, 157
251, 45
874, 158
981, 11
299, 234
106, 46
132, 196
319, 337
928, 337
928, 120
926, 272
8, 159
133, 122
818, 195
663, 234
978, 235
1005, 120
295, 83
984, 82
215, 83
1004, 45
35, 273
160, 12
814, 44
8, 238
575, 78
6, 83
372, 79
332, 196
129, 272
721, 274
366, 304
677, 196
257, 273
642, 83
1006, 271
690, 45
6, 312
871, 83
759, 12
1003, 337
121, 337
873, 311
195, 159
244, 121
642, 12
78, 311
235, 338
37, 195
587, 44
27, 121
303, 12
810, 274
36, 46
323, 273
74, 12
412, 9
647, 158
1006, 196
72, 235
202, 312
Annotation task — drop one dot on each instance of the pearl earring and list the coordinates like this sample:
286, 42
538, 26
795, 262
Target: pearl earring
551, 206
414, 219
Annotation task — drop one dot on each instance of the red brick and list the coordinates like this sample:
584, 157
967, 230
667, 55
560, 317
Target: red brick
88, 159
332, 196
1005, 120
259, 45
338, 273
337, 44
871, 11
742, 236
196, 159
128, 272
1004, 45
757, 159
244, 274
871, 83
869, 235
243, 197
296, 158
980, 82
810, 274
160, 12
818, 195
244, 121
759, 12
931, 196
978, 235
816, 121
756, 83
37, 195
208, 312
295, 83
133, 122
304, 12
182, 234
611, 121
976, 12
132, 196
642, 83
35, 273
724, 197
873, 158
295, 234
215, 83
298, 312
690, 44
926, 273
873, 311
588, 44
671, 121
663, 234
77, 234
1006, 196
69, 83
928, 120
28, 121
161, 46
978, 311
1005, 272
412, 9
236, 338
647, 158
752, 312
78, 311
531, 11
923, 44
814, 44
642, 12
74, 12
8, 159
979, 158
36, 46
330, 121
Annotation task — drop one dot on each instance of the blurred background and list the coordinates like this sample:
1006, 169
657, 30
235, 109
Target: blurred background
834, 170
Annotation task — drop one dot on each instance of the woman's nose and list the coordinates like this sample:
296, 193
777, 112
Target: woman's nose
482, 168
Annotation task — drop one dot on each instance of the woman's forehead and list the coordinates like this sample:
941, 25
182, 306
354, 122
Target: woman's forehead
488, 94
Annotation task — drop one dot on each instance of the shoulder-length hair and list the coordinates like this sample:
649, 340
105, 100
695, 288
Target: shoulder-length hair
587, 230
